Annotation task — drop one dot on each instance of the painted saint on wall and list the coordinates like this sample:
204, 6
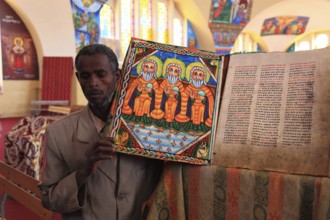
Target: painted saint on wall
19, 56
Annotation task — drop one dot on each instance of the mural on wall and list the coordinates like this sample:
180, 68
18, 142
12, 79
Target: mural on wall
19, 56
191, 36
284, 25
224, 38
86, 19
227, 19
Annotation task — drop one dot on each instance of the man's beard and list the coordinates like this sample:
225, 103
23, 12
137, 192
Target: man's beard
148, 76
172, 79
104, 102
197, 83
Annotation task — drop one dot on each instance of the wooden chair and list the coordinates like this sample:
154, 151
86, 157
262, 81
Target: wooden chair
23, 189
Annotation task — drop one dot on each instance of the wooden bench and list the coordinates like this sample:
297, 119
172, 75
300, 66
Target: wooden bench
23, 189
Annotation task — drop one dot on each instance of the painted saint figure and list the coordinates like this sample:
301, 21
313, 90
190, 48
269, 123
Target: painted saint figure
198, 77
171, 104
172, 73
149, 69
197, 110
18, 55
142, 104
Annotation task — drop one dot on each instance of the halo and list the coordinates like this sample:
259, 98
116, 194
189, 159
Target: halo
155, 59
169, 61
18, 39
198, 64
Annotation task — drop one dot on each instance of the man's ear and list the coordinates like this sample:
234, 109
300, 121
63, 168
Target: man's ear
118, 74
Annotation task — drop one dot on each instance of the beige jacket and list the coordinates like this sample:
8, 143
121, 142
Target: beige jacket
67, 142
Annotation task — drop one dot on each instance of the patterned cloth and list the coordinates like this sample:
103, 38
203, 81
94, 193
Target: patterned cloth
56, 78
23, 144
212, 192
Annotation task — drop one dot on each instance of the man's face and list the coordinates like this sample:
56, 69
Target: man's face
197, 78
198, 74
148, 67
97, 79
148, 70
173, 71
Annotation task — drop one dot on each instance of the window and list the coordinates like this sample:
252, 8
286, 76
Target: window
321, 41
145, 20
248, 42
303, 45
311, 41
177, 32
126, 23
107, 22
162, 18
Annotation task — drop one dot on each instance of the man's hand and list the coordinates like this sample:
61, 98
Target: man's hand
102, 150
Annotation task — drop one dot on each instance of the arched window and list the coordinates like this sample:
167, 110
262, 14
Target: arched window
310, 41
162, 21
155, 20
177, 34
126, 23
107, 23
145, 20
249, 42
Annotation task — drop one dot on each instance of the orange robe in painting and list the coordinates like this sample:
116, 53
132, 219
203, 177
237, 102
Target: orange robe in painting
170, 107
157, 113
197, 112
132, 88
142, 104
182, 116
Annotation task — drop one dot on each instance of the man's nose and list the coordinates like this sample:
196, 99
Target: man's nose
94, 81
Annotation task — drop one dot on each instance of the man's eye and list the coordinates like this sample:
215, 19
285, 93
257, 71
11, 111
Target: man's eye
101, 74
84, 76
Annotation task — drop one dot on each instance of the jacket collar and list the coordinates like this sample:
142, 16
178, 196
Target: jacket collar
87, 134
86, 131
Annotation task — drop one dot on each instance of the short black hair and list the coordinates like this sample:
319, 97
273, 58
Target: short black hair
98, 49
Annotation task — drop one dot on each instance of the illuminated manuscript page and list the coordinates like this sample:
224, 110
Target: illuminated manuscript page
275, 113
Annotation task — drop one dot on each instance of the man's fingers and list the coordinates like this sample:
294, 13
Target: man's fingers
106, 141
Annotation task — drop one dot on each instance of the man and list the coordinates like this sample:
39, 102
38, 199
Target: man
148, 71
84, 178
197, 77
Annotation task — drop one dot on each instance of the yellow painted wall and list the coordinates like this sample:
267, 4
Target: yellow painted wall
51, 27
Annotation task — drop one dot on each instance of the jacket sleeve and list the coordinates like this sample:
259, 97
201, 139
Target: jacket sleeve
59, 188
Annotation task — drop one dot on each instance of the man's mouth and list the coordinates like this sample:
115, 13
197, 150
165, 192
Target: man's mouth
95, 94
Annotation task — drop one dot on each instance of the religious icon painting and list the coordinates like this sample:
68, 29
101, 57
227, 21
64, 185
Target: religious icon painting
167, 102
